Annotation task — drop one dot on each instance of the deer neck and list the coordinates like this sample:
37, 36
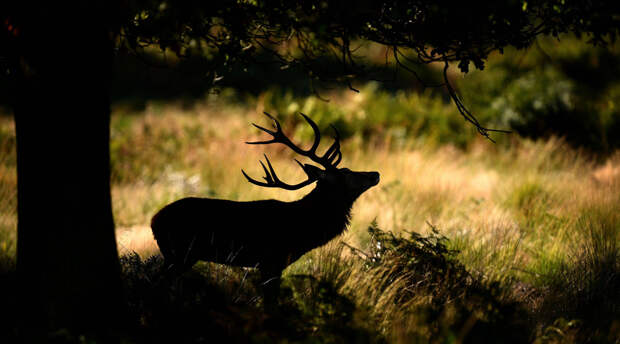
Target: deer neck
331, 211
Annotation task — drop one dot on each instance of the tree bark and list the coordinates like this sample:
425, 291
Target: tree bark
67, 260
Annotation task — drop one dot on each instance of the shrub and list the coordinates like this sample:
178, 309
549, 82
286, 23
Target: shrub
418, 283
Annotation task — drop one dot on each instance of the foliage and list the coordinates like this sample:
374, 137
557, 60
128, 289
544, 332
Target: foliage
420, 275
456, 31
304, 35
322, 38
561, 88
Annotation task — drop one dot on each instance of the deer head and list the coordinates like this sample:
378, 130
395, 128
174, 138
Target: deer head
342, 182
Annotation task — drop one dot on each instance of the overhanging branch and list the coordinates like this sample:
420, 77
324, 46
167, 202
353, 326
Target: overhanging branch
464, 111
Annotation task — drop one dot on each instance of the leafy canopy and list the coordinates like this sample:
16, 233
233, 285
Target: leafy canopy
304, 34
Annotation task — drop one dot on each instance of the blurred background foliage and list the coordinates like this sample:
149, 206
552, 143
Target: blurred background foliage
559, 87
565, 88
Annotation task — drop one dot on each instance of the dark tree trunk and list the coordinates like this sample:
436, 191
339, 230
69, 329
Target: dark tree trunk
67, 260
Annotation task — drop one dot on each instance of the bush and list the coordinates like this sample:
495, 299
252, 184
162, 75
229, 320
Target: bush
418, 283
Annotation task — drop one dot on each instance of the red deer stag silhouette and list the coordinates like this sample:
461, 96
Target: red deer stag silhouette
266, 234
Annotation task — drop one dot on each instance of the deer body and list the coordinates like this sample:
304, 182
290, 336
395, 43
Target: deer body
266, 234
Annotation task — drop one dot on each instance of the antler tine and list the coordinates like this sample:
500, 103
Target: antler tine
254, 181
278, 136
267, 176
332, 152
337, 137
334, 148
317, 134
272, 179
338, 160
272, 173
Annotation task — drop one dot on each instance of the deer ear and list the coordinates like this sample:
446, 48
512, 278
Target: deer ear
314, 172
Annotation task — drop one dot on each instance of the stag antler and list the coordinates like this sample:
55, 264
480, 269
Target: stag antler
272, 179
327, 160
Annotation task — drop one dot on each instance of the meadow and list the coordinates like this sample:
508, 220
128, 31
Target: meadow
463, 240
